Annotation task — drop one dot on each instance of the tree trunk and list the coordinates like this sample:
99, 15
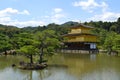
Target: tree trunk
5, 52
41, 56
109, 50
31, 58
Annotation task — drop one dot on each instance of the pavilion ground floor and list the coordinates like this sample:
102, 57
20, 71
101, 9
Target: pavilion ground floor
79, 47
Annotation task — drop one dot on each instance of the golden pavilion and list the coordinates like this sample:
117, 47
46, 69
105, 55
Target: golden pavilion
80, 38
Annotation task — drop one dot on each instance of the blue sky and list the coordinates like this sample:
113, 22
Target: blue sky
23, 13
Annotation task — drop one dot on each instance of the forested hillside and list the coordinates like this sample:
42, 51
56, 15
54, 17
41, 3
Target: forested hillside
14, 38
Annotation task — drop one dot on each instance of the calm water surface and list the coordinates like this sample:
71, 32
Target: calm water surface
64, 67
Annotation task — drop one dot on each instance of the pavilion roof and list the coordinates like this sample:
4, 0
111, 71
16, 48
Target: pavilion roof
78, 34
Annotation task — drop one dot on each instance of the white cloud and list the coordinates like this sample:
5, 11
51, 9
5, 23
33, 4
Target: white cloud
24, 12
106, 16
7, 14
76, 20
56, 15
9, 21
102, 7
27, 23
7, 17
86, 4
58, 10
90, 5
11, 11
56, 18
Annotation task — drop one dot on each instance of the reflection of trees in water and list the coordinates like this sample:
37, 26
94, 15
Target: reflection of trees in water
37, 74
79, 64
44, 74
93, 57
103, 74
12, 74
63, 66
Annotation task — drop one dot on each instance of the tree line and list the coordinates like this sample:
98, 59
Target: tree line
46, 39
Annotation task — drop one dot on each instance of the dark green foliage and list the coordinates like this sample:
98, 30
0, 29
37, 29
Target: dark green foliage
29, 51
9, 30
50, 37
47, 43
108, 26
4, 43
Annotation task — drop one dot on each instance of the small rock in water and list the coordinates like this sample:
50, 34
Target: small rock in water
13, 65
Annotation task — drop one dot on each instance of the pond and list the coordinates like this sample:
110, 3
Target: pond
64, 67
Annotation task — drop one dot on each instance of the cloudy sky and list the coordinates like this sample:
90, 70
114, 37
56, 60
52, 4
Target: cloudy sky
23, 13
